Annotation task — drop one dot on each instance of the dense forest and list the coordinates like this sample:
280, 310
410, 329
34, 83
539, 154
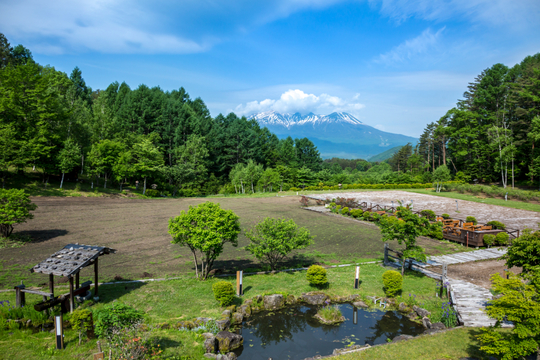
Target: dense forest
58, 126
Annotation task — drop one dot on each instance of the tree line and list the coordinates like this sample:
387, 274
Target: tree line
491, 135
56, 124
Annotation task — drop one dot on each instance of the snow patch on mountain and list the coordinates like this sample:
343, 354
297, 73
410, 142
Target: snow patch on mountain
290, 120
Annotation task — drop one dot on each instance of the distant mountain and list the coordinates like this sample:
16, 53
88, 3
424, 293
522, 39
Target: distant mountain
336, 135
385, 154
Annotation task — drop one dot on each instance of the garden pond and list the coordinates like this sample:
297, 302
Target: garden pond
294, 332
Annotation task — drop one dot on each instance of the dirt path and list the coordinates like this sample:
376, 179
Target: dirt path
513, 218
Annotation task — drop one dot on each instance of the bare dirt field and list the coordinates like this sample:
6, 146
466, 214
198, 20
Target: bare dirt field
513, 218
138, 229
479, 272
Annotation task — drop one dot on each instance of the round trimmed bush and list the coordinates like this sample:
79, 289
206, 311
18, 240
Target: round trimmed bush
501, 238
429, 214
392, 281
223, 292
316, 275
497, 225
471, 219
367, 215
445, 216
356, 213
345, 211
489, 239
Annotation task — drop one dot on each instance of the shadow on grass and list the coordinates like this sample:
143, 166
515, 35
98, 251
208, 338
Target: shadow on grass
109, 293
43, 235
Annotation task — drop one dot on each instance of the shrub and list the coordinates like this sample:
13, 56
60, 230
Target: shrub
436, 231
151, 193
345, 211
115, 315
489, 239
294, 189
330, 314
337, 209
497, 225
15, 207
501, 238
392, 281
357, 213
81, 322
316, 275
471, 219
445, 216
367, 215
429, 214
223, 292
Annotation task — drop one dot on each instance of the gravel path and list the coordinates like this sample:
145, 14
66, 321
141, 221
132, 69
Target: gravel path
513, 218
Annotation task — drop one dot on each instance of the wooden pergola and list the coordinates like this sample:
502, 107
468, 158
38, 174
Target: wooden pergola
67, 262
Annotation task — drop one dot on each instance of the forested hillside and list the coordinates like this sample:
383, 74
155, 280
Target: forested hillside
57, 125
493, 133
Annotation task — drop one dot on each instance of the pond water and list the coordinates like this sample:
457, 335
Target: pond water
294, 333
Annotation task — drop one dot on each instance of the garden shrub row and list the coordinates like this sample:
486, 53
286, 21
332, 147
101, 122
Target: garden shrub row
492, 191
370, 186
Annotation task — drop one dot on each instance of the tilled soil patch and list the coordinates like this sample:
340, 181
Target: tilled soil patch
479, 272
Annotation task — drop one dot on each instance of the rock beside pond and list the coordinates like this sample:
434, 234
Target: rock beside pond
237, 318
273, 302
401, 338
403, 307
353, 297
438, 326
360, 304
421, 312
228, 341
291, 300
210, 344
226, 314
245, 310
314, 298
223, 324
426, 322
257, 298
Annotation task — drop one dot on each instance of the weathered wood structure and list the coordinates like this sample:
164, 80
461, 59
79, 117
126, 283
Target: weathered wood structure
67, 262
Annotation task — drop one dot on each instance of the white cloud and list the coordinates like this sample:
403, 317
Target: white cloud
412, 47
512, 14
293, 101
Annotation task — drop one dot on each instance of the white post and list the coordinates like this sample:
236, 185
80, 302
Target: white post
239, 290
59, 331
356, 280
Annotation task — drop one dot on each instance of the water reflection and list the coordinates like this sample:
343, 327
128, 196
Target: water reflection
294, 333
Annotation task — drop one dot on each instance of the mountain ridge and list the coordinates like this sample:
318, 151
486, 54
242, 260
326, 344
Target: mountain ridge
337, 134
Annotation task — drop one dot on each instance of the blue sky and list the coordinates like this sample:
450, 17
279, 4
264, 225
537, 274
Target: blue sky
395, 64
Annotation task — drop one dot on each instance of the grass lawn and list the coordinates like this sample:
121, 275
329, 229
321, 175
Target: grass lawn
184, 299
522, 205
454, 344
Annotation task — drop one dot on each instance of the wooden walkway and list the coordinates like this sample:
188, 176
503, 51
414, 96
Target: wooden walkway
460, 258
469, 300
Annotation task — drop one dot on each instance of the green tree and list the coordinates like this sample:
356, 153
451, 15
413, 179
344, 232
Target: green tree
440, 175
10, 147
103, 156
205, 230
15, 207
405, 227
274, 239
525, 251
253, 172
269, 179
307, 154
123, 167
305, 176
68, 158
190, 166
147, 159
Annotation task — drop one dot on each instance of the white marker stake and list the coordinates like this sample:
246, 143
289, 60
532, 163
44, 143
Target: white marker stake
357, 276
239, 283
59, 332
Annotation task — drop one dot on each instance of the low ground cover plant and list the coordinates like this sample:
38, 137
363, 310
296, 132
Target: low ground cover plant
393, 282
223, 292
115, 316
316, 275
330, 313
446, 314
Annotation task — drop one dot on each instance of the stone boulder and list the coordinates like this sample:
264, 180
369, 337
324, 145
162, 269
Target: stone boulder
352, 297
438, 326
237, 318
273, 302
223, 324
421, 312
226, 314
426, 322
210, 344
360, 304
314, 298
227, 341
245, 310
401, 338
403, 307
291, 300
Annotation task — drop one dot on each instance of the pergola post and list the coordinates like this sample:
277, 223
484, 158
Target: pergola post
96, 278
71, 296
77, 281
51, 284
